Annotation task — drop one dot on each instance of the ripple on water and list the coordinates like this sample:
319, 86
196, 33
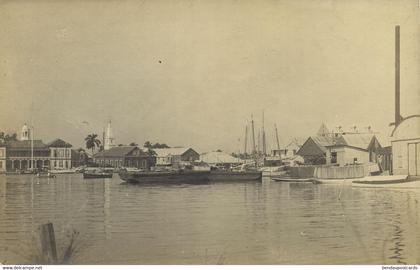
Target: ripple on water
226, 223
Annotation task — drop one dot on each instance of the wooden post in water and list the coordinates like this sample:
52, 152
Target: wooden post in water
48, 245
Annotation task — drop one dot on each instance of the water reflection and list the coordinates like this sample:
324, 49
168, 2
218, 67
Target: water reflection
229, 223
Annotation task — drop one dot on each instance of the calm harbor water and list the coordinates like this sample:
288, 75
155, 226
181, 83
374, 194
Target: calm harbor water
223, 223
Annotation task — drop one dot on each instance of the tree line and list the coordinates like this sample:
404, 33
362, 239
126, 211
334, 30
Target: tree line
92, 142
8, 137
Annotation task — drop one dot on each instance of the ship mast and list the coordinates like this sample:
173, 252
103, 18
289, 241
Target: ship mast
246, 138
277, 139
32, 147
253, 135
264, 146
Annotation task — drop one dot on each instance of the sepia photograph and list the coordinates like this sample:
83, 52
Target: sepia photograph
209, 132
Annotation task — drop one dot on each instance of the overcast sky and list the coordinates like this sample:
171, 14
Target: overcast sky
190, 73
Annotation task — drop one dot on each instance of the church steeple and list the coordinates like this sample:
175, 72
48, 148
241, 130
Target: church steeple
109, 137
323, 131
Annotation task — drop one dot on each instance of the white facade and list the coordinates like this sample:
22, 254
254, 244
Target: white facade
109, 137
164, 160
25, 133
405, 142
60, 158
291, 149
2, 159
346, 155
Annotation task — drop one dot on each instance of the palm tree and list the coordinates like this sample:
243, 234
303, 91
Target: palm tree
147, 145
92, 141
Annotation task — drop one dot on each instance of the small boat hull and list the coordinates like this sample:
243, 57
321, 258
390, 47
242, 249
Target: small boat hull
343, 181
230, 176
62, 171
46, 176
96, 175
188, 177
292, 180
391, 181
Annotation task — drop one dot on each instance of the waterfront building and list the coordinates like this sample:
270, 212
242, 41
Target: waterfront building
125, 156
405, 142
19, 154
60, 154
2, 157
109, 138
175, 155
218, 158
290, 150
314, 149
28, 154
55, 155
352, 149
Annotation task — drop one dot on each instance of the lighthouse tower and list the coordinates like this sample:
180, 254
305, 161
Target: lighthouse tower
109, 137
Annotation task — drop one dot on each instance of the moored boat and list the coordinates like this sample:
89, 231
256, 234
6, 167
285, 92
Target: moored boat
96, 173
176, 176
387, 181
45, 175
292, 180
340, 181
62, 171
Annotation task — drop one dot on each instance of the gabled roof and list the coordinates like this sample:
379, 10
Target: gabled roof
59, 143
323, 141
361, 141
25, 145
218, 157
315, 145
295, 141
118, 151
173, 151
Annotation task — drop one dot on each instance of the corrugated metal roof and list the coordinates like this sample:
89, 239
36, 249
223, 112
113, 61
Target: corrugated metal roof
173, 151
118, 151
361, 141
218, 157
296, 141
22, 145
323, 141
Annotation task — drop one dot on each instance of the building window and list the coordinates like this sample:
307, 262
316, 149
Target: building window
60, 164
1, 164
334, 157
67, 164
55, 163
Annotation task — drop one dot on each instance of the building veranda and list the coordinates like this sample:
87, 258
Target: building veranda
28, 153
